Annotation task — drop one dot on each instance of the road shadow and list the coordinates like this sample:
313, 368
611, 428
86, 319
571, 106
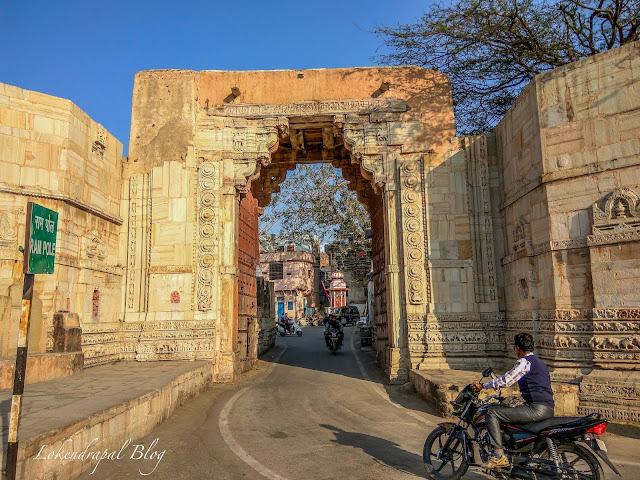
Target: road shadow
384, 451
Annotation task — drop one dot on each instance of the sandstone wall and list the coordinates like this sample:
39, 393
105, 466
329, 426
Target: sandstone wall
569, 158
52, 153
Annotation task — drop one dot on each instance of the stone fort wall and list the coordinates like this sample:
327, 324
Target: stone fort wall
51, 152
568, 163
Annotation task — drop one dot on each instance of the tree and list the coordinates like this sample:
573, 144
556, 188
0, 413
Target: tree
315, 199
491, 49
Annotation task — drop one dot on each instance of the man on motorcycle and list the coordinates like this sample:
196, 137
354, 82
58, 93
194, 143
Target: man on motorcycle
534, 382
333, 323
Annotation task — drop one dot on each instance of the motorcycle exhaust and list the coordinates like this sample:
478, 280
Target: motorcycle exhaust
520, 473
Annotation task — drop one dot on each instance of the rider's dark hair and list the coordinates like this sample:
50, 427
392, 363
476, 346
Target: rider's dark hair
524, 342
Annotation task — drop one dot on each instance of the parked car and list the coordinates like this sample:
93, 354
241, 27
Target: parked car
349, 315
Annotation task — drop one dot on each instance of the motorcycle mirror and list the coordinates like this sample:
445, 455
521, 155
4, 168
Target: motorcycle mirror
487, 372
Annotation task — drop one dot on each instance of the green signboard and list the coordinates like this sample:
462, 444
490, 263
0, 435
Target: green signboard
40, 239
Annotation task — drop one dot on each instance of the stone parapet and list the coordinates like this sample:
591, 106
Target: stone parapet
440, 387
115, 425
42, 367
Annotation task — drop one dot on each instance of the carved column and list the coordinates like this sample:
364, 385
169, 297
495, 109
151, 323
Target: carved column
136, 282
228, 293
396, 367
243, 147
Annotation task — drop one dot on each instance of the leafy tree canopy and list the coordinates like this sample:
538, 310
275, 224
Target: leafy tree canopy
314, 199
491, 49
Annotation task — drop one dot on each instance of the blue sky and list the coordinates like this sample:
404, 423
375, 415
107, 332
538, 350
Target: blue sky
90, 51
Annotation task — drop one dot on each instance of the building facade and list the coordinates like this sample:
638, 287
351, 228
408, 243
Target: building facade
293, 275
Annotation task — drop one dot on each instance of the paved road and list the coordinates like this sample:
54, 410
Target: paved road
304, 414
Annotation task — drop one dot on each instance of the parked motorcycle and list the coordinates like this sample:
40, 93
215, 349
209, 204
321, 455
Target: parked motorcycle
551, 449
333, 340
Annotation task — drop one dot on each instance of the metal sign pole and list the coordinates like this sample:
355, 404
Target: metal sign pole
39, 257
18, 380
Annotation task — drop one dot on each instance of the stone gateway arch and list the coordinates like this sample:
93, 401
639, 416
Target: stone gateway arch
231, 137
534, 227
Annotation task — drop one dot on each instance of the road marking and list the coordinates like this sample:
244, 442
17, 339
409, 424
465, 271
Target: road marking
225, 430
623, 462
381, 391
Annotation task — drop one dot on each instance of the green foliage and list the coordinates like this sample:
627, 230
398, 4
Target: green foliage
315, 199
491, 49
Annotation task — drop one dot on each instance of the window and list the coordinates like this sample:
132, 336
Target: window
289, 305
275, 271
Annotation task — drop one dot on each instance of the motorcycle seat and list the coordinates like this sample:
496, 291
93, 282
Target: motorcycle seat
536, 427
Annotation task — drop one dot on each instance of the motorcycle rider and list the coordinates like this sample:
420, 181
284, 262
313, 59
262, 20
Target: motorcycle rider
534, 382
285, 323
333, 322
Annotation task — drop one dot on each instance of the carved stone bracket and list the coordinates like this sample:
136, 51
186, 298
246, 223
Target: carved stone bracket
367, 144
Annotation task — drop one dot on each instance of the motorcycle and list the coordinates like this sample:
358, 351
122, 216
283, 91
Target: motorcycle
333, 340
551, 449
291, 328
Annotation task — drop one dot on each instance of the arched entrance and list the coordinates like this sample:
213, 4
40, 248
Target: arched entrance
358, 137
208, 149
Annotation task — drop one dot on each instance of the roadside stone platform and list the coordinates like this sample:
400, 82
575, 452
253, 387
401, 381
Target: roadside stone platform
110, 403
439, 387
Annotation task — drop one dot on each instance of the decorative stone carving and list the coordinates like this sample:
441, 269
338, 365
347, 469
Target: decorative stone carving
413, 231
522, 237
481, 222
523, 289
94, 248
207, 254
8, 237
132, 244
616, 218
330, 107
100, 143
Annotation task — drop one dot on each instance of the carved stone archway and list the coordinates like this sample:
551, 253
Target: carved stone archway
364, 137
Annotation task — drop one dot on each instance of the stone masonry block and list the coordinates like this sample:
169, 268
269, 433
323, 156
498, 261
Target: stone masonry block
67, 334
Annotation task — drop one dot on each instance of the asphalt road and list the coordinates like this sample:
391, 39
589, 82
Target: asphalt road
303, 414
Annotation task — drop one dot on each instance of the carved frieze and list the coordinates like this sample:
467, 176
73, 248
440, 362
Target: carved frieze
480, 219
135, 208
330, 107
94, 249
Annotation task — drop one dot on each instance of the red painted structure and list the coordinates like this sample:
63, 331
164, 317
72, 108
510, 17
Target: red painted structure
338, 290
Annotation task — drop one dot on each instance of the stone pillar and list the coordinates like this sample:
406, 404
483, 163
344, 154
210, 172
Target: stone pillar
396, 368
228, 296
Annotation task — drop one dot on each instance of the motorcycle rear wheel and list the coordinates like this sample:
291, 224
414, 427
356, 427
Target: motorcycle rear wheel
451, 465
579, 458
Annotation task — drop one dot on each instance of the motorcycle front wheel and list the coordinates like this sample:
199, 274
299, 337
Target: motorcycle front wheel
578, 458
449, 464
